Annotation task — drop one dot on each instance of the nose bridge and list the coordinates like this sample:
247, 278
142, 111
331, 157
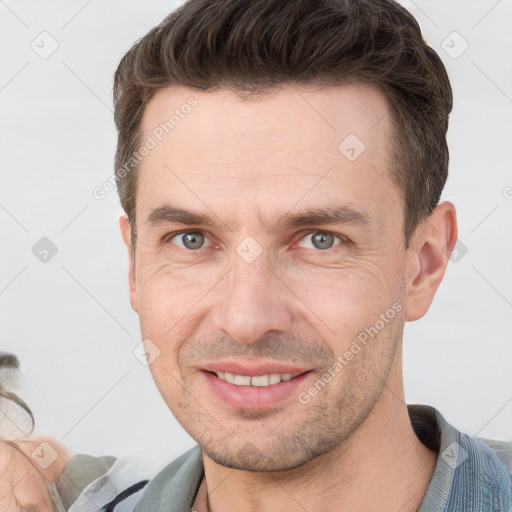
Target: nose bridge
253, 298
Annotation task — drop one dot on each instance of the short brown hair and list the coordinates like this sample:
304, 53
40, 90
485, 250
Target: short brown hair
253, 46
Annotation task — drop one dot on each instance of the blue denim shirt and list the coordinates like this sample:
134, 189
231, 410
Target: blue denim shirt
471, 475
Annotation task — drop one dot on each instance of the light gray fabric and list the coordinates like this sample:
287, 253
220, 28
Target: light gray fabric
78, 473
175, 487
54, 496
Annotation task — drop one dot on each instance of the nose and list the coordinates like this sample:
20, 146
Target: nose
254, 301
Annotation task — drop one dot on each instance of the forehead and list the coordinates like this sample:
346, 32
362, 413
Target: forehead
310, 140
289, 115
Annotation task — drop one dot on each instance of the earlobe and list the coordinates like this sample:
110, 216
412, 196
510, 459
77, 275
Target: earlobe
429, 254
125, 226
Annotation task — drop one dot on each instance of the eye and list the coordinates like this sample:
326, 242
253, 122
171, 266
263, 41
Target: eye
192, 240
195, 240
322, 240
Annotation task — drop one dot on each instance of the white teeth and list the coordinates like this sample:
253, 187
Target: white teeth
242, 380
260, 380
257, 381
274, 378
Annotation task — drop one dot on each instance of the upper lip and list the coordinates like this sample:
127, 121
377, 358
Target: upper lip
253, 368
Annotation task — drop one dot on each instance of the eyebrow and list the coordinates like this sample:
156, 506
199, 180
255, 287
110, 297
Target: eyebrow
344, 214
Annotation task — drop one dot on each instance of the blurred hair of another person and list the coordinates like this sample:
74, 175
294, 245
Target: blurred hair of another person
29, 465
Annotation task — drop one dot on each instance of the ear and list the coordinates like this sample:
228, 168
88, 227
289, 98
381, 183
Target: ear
428, 256
125, 226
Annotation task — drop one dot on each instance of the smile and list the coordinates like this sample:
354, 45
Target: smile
259, 392
257, 380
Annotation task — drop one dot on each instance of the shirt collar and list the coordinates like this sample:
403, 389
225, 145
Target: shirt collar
463, 466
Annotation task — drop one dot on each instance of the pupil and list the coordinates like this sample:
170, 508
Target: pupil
321, 238
192, 240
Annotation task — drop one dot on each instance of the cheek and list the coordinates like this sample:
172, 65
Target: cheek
342, 301
168, 304
166, 292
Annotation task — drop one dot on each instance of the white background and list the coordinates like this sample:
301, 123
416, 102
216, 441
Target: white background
69, 319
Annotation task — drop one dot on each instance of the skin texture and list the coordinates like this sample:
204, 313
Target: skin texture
351, 447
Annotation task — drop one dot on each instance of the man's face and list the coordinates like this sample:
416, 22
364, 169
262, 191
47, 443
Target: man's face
253, 295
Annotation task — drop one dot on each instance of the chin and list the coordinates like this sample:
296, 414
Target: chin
250, 458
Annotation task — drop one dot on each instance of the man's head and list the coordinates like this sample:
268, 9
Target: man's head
285, 221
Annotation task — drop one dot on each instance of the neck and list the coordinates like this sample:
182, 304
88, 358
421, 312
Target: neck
382, 466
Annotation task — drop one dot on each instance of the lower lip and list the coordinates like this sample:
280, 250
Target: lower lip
254, 398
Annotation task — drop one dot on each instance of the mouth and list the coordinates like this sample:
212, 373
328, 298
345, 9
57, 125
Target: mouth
256, 392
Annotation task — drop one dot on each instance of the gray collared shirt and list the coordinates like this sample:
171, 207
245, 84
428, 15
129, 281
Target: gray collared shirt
471, 474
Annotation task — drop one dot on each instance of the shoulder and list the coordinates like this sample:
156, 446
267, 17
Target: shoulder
119, 484
485, 465
106, 481
80, 471
503, 449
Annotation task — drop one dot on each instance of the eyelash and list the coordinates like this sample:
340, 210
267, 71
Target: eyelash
343, 240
